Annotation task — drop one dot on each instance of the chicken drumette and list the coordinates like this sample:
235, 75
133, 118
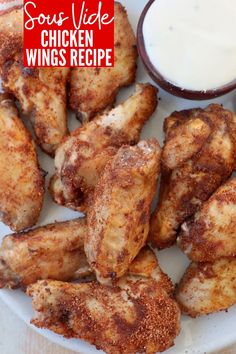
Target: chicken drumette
53, 251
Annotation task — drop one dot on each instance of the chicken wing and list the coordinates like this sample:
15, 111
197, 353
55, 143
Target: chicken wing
207, 287
11, 35
210, 234
82, 157
21, 179
145, 267
41, 91
199, 154
137, 315
93, 89
54, 251
118, 218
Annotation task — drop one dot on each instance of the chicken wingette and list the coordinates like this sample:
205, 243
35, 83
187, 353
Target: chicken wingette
21, 179
198, 156
54, 251
207, 287
81, 158
40, 91
137, 315
93, 89
118, 217
211, 233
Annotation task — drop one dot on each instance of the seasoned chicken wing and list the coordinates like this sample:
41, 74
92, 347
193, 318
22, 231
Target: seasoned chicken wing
41, 91
136, 316
145, 266
81, 158
54, 251
11, 35
211, 233
21, 179
93, 89
198, 155
207, 287
118, 217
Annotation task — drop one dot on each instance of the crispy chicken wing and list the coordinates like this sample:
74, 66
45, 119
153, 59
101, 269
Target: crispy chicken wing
118, 218
56, 251
93, 89
11, 35
82, 157
21, 180
145, 266
53, 251
41, 91
207, 287
136, 315
211, 233
199, 154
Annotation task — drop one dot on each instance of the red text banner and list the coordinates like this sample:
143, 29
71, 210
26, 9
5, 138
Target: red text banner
69, 33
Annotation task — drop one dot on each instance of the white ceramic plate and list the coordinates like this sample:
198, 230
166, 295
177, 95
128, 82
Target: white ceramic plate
203, 335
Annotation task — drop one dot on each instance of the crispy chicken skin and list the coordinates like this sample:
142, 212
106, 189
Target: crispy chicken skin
146, 266
207, 287
11, 35
40, 91
54, 251
136, 315
118, 217
93, 89
198, 156
82, 156
21, 179
42, 95
211, 233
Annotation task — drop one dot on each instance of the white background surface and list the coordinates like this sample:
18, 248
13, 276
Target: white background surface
206, 334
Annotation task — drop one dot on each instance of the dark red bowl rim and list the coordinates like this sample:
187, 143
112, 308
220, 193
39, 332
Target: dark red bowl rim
163, 82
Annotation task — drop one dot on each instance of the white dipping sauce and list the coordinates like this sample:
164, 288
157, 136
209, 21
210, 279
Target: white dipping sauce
192, 43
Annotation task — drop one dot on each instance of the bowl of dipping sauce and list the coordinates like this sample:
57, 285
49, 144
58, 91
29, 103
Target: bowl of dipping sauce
189, 46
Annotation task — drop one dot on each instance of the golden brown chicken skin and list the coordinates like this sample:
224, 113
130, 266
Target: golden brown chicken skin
211, 233
207, 287
198, 156
81, 158
93, 89
145, 266
21, 179
54, 251
11, 35
40, 91
135, 316
118, 217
